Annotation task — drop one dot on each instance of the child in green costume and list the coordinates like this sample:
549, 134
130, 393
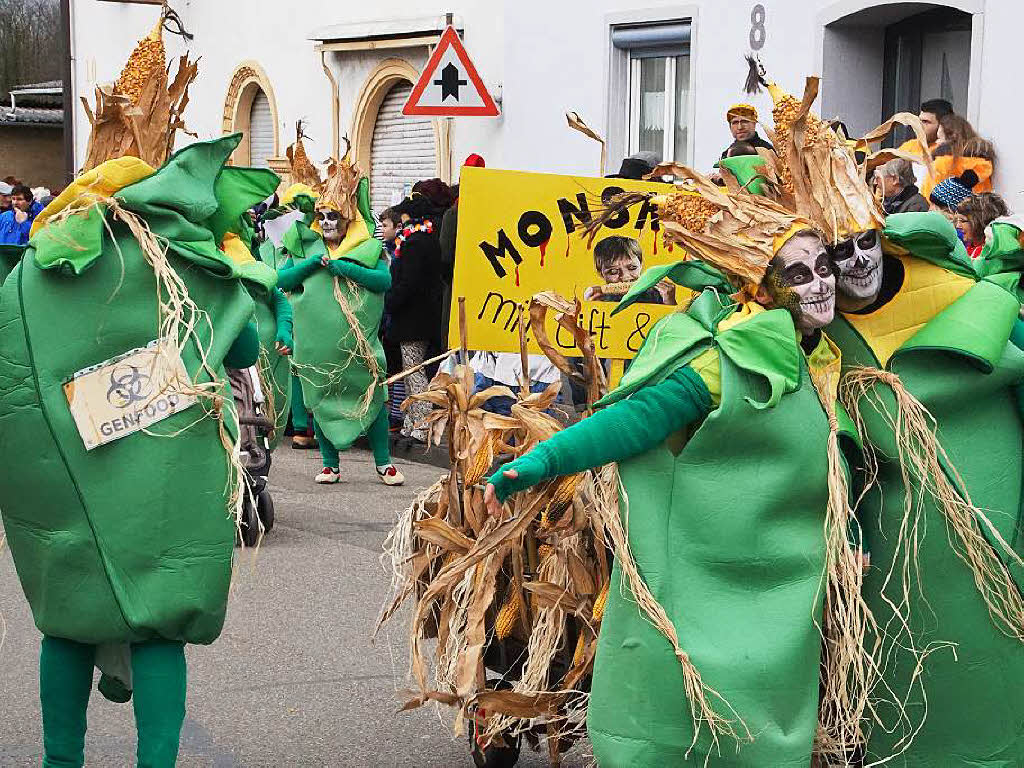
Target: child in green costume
727, 438
931, 377
338, 275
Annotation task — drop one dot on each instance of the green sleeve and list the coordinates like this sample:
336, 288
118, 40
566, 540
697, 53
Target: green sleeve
283, 316
624, 429
245, 350
376, 279
1017, 339
290, 278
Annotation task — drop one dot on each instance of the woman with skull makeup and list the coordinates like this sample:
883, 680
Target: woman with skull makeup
338, 277
729, 446
929, 374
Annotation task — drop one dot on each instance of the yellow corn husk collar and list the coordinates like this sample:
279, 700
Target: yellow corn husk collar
737, 233
140, 113
302, 170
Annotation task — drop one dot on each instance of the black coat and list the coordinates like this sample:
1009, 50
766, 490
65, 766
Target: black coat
414, 301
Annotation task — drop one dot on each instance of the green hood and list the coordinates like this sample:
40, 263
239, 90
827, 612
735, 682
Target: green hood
189, 203
746, 169
932, 237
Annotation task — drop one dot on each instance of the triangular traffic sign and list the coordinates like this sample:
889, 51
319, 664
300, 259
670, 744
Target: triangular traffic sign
450, 85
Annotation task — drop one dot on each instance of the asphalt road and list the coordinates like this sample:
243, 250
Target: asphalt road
294, 680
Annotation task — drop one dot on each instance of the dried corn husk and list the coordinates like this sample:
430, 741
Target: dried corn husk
139, 115
302, 170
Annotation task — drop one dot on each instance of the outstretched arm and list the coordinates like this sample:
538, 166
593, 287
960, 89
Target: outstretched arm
624, 429
285, 322
376, 279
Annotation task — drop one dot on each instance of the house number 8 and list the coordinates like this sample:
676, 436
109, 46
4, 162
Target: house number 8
758, 33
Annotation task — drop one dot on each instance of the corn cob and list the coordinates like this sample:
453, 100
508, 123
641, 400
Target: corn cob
543, 551
784, 113
148, 57
565, 491
690, 211
481, 461
510, 611
599, 604
577, 655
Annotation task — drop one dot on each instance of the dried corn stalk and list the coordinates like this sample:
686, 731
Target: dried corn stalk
140, 113
302, 170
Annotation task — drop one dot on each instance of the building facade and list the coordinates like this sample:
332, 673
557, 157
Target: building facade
644, 74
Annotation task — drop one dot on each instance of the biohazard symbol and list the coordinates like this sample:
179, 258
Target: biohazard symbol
127, 385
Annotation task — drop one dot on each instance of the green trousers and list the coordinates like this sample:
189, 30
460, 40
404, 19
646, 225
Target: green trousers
65, 681
300, 416
378, 434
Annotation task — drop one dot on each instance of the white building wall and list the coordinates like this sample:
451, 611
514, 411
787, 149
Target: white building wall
547, 56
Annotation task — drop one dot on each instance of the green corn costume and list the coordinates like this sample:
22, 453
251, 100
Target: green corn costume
728, 537
336, 370
945, 334
110, 545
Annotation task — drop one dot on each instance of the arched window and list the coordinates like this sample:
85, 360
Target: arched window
261, 131
402, 150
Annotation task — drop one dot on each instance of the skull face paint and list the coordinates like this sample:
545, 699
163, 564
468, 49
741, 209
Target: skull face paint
330, 225
803, 281
858, 262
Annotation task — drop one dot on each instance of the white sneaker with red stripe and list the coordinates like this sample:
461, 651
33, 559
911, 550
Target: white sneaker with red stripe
389, 475
327, 475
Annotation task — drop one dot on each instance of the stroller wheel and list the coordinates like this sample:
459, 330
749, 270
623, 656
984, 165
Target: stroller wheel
502, 752
250, 523
265, 509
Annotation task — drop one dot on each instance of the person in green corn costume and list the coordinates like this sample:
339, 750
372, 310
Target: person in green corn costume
337, 275
274, 323
124, 548
298, 203
931, 378
727, 438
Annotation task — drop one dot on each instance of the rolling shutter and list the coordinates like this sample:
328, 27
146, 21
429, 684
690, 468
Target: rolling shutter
402, 151
261, 131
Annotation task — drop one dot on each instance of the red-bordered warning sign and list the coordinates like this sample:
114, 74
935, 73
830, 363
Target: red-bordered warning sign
450, 86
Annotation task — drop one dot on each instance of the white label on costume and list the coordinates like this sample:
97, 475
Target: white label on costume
128, 393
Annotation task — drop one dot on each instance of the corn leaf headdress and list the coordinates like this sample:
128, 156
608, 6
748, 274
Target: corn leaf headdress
340, 190
735, 234
140, 113
818, 173
302, 170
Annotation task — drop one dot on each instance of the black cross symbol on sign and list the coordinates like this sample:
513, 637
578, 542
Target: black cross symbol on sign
450, 82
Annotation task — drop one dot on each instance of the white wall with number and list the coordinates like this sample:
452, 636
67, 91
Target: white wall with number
548, 57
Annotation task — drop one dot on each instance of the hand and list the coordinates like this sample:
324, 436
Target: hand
667, 289
593, 293
20, 215
282, 348
491, 498
325, 260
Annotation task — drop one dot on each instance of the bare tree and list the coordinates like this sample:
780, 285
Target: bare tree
31, 49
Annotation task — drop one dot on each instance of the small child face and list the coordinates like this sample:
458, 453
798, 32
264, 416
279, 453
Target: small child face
389, 230
622, 269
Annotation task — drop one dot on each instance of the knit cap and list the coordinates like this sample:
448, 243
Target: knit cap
953, 191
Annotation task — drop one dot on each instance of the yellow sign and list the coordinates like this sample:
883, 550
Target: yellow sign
128, 393
522, 233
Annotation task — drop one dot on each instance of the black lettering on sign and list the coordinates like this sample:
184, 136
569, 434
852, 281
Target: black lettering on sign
648, 211
509, 306
495, 253
534, 228
597, 325
568, 342
636, 339
580, 212
621, 218
758, 33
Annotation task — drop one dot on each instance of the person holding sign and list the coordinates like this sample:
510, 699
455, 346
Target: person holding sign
338, 275
728, 438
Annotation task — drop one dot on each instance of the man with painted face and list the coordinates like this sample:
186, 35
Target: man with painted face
929, 376
726, 435
337, 277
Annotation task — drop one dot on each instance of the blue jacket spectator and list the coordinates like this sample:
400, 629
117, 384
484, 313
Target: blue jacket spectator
16, 223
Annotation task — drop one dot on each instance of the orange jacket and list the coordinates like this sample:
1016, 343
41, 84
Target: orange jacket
947, 166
